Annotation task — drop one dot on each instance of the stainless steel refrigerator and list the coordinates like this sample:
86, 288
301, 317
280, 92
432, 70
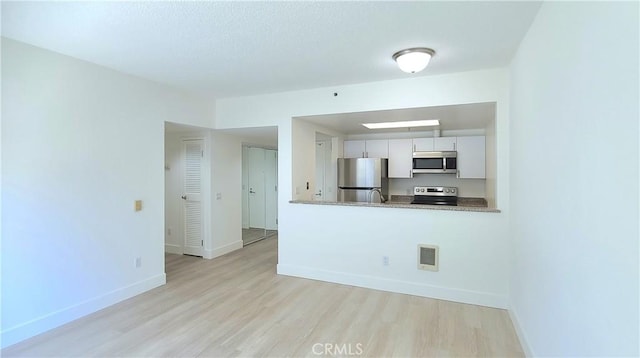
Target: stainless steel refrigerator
363, 179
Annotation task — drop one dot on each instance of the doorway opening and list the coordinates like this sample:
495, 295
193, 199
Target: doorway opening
259, 146
187, 205
260, 189
325, 167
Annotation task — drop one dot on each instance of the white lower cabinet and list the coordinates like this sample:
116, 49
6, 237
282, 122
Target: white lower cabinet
471, 157
400, 158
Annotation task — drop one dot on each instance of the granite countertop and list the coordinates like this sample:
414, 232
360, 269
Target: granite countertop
404, 201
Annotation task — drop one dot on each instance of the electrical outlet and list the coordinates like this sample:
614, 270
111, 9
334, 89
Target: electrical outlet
138, 262
168, 231
385, 260
218, 196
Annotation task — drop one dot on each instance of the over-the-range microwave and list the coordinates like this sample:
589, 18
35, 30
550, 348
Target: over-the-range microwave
435, 162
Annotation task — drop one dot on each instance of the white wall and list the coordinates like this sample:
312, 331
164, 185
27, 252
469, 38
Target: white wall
80, 143
173, 224
574, 226
491, 153
226, 218
346, 244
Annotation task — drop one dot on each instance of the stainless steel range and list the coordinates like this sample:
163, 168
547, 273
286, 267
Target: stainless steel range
435, 195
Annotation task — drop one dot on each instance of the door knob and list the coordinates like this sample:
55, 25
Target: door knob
184, 197
251, 191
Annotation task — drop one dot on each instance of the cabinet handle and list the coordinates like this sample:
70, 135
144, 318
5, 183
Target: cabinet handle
366, 154
458, 173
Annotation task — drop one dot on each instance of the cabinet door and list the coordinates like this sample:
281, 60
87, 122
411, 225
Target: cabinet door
422, 144
444, 144
471, 157
378, 148
353, 149
400, 158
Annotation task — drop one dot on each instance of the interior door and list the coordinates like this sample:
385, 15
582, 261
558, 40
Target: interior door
320, 171
193, 152
256, 188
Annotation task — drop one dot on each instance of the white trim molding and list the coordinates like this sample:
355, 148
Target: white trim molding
173, 249
526, 348
409, 288
55, 319
222, 250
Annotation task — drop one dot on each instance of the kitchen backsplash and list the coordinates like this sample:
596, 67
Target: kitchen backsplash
474, 188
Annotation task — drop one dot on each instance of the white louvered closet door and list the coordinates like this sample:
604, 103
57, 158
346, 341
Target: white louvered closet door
191, 197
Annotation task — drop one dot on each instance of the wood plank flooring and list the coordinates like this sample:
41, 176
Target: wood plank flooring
249, 236
236, 306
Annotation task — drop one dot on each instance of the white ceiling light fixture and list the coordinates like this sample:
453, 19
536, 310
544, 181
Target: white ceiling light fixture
413, 60
403, 124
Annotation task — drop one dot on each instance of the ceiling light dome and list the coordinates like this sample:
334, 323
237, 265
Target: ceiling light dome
413, 60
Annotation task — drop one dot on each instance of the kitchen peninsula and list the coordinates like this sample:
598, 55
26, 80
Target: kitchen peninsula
404, 202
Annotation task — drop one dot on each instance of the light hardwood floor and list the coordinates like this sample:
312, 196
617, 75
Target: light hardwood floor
249, 236
236, 305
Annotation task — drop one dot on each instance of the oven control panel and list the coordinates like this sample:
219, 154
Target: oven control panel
435, 191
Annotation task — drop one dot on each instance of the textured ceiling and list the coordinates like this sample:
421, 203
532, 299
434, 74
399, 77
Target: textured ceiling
239, 48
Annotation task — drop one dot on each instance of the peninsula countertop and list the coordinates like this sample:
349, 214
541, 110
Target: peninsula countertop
404, 202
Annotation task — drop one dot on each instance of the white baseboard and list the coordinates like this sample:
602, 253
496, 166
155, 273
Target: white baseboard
384, 284
219, 251
55, 319
528, 352
173, 249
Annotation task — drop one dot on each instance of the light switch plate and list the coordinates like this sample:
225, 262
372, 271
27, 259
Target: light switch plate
138, 205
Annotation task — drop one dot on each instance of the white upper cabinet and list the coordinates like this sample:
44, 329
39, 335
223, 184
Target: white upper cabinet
444, 144
438, 144
354, 149
422, 144
471, 157
400, 158
377, 148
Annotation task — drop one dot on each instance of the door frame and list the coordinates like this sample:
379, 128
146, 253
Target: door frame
245, 182
323, 189
175, 198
